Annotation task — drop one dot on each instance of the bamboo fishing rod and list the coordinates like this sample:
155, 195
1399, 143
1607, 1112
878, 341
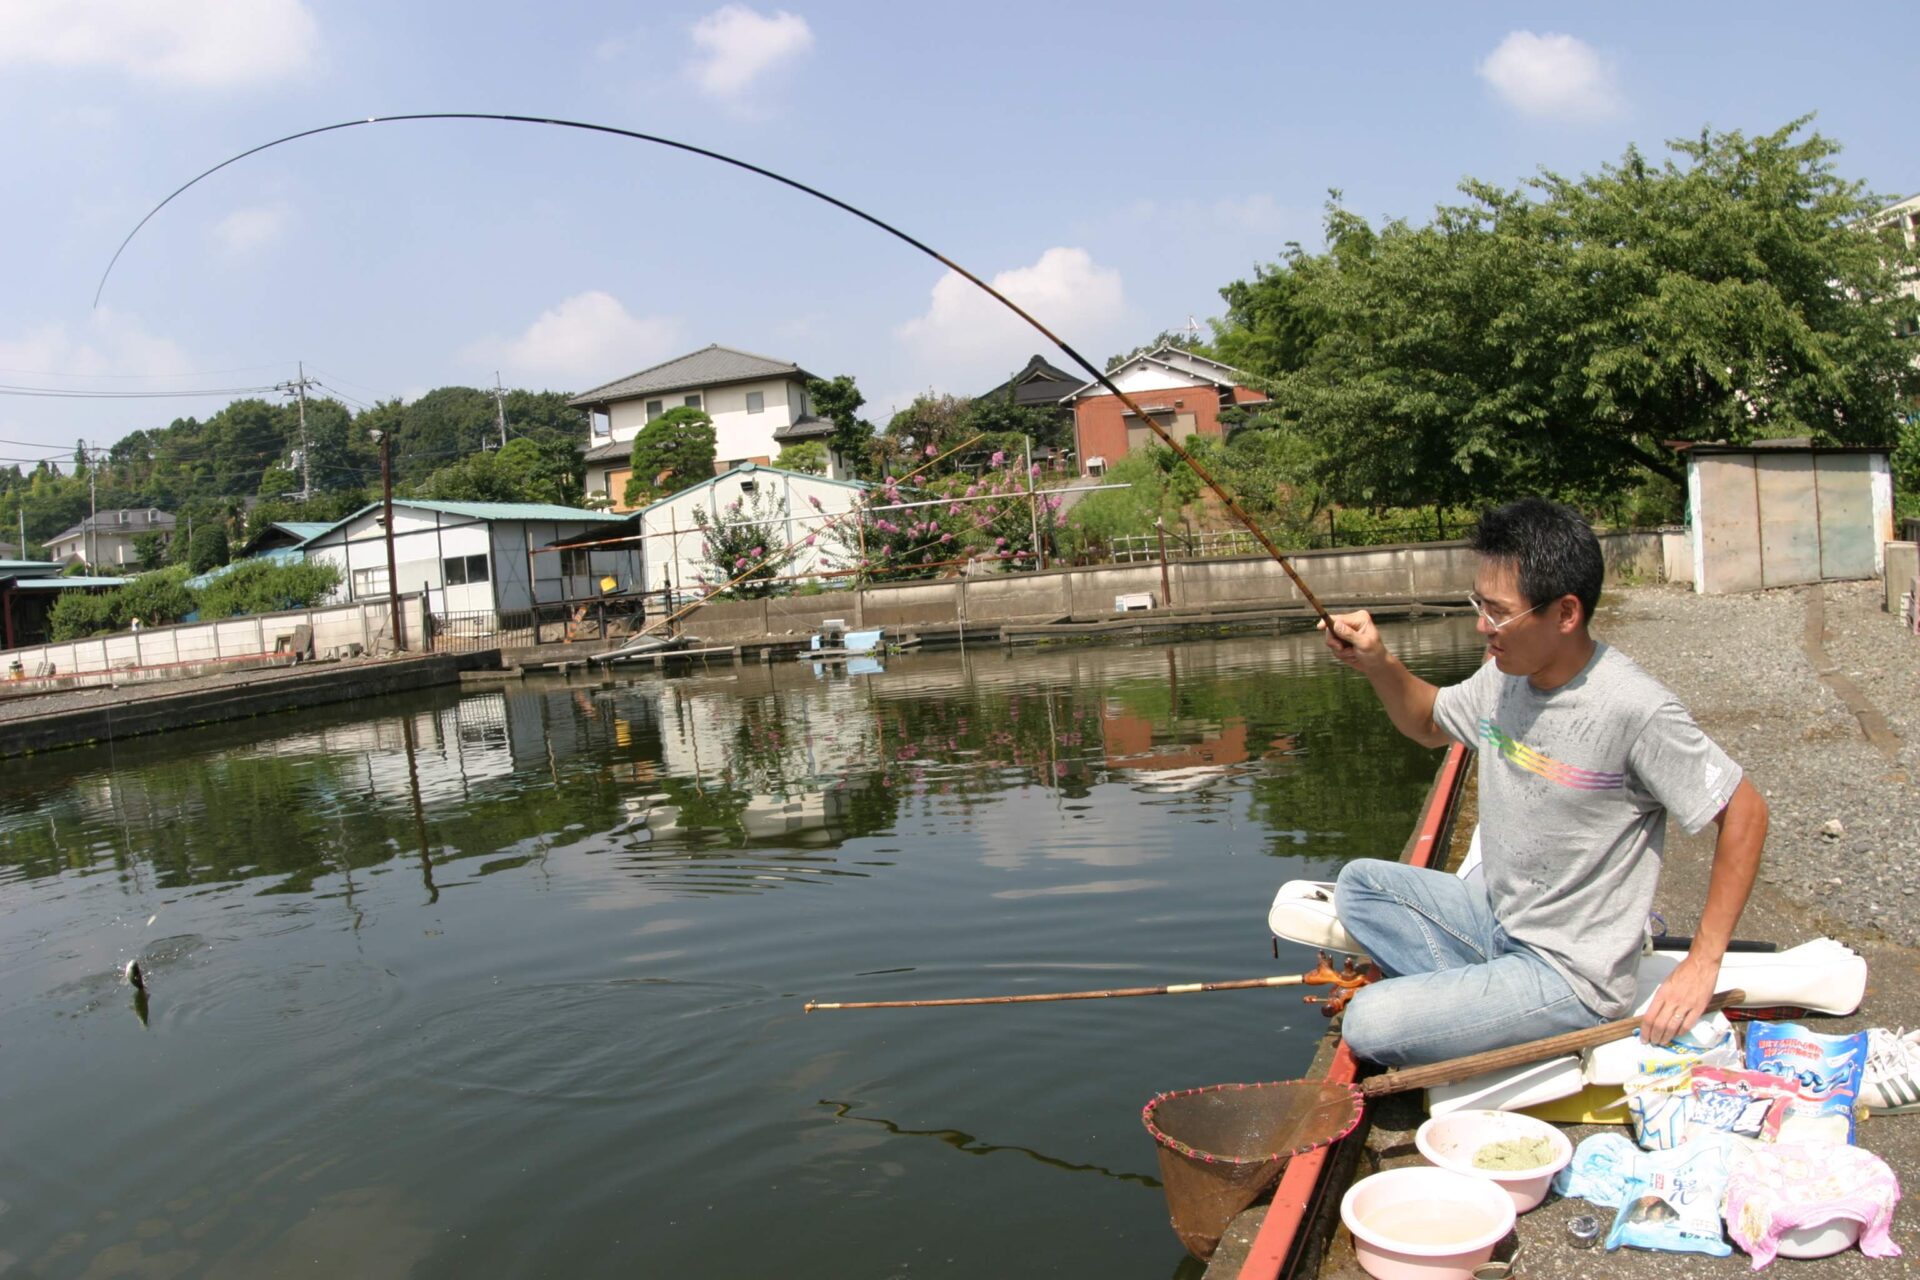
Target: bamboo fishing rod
1220, 491
1347, 977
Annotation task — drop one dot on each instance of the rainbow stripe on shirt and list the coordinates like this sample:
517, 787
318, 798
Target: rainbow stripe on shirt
1522, 756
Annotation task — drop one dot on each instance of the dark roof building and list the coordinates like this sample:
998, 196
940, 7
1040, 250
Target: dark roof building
1038, 386
711, 366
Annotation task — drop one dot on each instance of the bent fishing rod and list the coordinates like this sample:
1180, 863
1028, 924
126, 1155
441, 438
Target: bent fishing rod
1220, 491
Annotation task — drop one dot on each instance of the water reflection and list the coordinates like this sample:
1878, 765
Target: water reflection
538, 954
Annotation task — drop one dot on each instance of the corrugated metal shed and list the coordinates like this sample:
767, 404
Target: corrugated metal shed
1783, 513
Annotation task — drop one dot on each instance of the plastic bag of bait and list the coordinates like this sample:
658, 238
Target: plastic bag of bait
1671, 1200
1827, 1070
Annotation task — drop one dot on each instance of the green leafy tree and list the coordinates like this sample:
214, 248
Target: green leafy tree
806, 456
151, 548
1549, 338
155, 598
838, 400
524, 471
262, 586
209, 548
671, 453
78, 614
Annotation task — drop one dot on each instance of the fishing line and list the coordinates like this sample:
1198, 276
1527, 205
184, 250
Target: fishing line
1099, 376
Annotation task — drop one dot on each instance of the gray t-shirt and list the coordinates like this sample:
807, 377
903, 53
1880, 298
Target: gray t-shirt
1575, 787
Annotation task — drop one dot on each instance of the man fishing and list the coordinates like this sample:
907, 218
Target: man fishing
1583, 756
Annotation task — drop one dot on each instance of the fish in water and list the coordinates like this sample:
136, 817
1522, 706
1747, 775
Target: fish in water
134, 977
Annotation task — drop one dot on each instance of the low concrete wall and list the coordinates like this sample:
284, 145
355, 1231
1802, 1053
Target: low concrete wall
129, 716
1427, 569
194, 648
1903, 566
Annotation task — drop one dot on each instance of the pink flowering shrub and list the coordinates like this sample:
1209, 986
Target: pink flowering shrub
745, 548
964, 517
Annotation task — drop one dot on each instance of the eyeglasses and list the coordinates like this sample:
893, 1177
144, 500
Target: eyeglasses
1480, 607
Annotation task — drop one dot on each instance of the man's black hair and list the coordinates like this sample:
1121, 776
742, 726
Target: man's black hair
1552, 546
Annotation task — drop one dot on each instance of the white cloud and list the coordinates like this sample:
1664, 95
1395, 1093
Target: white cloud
200, 43
585, 340
966, 335
1550, 75
738, 46
245, 232
112, 342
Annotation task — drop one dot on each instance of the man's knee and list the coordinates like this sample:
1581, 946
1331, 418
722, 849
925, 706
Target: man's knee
1364, 1027
1362, 877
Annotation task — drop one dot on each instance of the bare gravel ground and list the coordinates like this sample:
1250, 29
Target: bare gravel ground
1845, 817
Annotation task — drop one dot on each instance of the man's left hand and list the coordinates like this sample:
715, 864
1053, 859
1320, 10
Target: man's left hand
1681, 1000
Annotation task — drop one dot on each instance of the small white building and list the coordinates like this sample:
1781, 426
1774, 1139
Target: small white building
758, 406
670, 531
474, 557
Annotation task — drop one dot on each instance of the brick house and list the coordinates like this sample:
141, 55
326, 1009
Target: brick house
1183, 391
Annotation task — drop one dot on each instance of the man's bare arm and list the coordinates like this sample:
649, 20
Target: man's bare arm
1407, 698
1682, 998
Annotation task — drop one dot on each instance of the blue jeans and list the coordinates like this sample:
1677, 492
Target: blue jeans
1455, 984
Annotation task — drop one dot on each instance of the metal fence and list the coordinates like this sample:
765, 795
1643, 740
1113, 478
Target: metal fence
606, 618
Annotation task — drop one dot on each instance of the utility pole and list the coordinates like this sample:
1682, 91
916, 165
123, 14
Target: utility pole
299, 387
93, 510
500, 407
22, 513
385, 439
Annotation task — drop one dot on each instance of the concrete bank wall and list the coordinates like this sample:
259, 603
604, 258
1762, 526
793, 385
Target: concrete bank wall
123, 715
1426, 569
161, 652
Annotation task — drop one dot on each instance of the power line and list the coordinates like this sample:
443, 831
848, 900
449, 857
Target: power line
8, 389
204, 373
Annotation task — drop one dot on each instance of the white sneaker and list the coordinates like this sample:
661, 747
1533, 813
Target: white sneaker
1891, 1083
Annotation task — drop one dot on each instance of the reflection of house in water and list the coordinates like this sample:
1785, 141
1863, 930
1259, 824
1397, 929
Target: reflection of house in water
1187, 762
803, 818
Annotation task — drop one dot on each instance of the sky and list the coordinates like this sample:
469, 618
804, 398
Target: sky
1110, 167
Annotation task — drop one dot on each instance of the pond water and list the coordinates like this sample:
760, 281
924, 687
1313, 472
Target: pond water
509, 981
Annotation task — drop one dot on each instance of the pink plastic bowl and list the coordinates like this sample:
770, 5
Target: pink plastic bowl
1451, 1141
1424, 1223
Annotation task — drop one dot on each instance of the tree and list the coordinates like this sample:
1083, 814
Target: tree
746, 543
838, 400
209, 546
262, 586
151, 548
1179, 339
1549, 338
807, 456
524, 471
671, 453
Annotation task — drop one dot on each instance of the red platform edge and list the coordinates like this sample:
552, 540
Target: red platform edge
1280, 1229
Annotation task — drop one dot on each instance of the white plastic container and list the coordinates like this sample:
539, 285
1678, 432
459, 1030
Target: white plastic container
1425, 1223
1819, 1241
1451, 1142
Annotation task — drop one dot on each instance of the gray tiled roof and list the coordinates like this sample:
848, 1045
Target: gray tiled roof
138, 520
807, 427
613, 450
708, 367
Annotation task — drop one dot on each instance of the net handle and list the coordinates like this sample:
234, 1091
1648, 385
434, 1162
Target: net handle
1518, 1055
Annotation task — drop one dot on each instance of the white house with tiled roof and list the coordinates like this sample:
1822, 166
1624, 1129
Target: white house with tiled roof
758, 405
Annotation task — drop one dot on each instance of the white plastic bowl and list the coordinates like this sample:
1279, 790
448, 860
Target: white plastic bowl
1423, 1223
1820, 1240
1451, 1141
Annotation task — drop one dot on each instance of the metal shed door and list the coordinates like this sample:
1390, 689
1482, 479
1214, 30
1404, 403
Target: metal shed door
1789, 534
1844, 484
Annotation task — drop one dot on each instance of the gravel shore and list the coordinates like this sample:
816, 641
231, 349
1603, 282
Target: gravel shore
1845, 817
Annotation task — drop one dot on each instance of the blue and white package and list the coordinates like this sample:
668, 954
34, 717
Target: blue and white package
1827, 1069
1599, 1171
1671, 1201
